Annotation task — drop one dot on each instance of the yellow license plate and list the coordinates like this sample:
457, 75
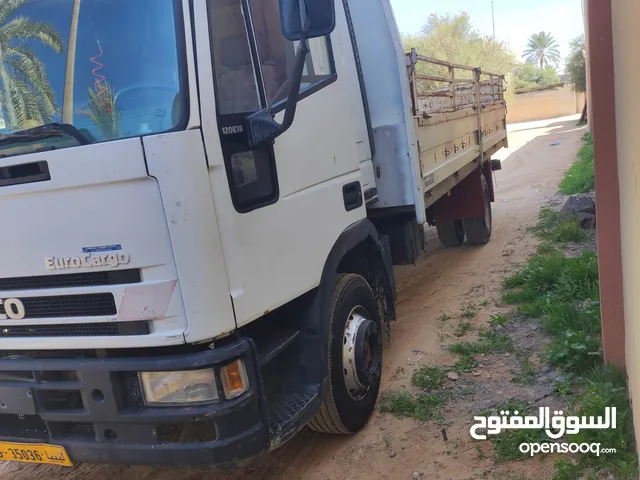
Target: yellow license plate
34, 453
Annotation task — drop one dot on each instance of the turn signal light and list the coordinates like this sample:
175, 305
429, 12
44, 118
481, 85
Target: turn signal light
234, 379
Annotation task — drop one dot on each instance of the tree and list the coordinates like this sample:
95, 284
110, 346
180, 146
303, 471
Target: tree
542, 50
453, 38
25, 91
576, 66
528, 75
102, 110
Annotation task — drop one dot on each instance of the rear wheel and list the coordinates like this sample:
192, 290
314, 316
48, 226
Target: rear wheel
451, 234
355, 358
478, 229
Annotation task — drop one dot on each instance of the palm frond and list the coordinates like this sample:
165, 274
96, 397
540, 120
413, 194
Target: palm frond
8, 7
26, 105
28, 66
22, 28
103, 112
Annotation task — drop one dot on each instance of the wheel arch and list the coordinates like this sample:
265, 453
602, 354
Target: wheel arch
360, 250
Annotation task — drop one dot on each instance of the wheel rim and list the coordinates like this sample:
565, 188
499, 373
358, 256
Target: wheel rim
361, 353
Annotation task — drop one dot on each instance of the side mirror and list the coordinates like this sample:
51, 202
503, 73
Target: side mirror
318, 20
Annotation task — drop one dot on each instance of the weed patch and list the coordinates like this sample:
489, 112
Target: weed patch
420, 406
552, 228
580, 178
604, 387
527, 373
463, 329
428, 378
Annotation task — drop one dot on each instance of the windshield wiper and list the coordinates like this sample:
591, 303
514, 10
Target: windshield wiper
42, 132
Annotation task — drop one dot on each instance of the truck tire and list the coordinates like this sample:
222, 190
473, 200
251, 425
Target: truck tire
355, 358
451, 234
478, 229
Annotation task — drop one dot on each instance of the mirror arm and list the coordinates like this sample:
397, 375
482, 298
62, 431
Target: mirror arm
294, 93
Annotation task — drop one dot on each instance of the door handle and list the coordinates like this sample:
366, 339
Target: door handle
352, 195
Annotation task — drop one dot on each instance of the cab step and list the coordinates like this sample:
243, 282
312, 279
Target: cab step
288, 413
274, 344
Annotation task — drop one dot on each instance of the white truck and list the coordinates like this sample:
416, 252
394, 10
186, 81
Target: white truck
203, 202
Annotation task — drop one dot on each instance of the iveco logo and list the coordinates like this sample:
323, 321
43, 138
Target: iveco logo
14, 309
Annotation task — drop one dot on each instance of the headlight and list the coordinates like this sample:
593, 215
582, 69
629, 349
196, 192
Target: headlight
172, 388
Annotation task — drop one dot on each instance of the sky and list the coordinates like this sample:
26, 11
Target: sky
515, 20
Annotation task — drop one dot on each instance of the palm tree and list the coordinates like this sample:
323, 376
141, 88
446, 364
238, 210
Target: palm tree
25, 91
67, 102
542, 50
102, 110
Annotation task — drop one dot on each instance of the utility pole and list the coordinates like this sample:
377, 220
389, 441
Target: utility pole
493, 18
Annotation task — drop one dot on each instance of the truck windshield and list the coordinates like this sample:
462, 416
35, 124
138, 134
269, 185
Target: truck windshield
107, 69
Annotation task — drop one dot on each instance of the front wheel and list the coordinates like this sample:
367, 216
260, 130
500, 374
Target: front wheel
355, 358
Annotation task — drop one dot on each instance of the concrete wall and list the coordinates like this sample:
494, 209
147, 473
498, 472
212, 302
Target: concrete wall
559, 102
626, 38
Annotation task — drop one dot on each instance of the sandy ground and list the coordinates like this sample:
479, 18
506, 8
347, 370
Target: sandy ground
443, 282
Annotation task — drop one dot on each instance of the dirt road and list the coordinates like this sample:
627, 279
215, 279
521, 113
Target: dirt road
443, 282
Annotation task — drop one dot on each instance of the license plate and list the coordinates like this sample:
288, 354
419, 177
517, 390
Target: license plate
34, 453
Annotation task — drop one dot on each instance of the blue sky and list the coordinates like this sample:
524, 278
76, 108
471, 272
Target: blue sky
516, 20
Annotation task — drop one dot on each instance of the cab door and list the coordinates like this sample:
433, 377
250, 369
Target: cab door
281, 208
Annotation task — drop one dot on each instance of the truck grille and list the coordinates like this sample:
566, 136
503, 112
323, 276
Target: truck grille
114, 329
94, 279
91, 305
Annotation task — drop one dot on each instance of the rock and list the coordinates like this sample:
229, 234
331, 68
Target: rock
587, 220
417, 475
603, 475
578, 204
392, 453
453, 376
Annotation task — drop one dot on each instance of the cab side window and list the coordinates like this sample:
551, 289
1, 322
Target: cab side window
277, 55
253, 63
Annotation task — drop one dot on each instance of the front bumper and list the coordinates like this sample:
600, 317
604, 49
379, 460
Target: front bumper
93, 407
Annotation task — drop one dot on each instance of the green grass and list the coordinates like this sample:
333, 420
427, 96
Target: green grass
527, 373
428, 378
499, 319
552, 228
469, 311
463, 329
489, 342
420, 406
506, 445
466, 364
580, 178
565, 293
600, 388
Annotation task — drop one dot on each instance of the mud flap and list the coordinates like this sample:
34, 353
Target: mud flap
466, 199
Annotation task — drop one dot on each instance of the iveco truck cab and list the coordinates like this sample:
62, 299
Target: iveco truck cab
202, 203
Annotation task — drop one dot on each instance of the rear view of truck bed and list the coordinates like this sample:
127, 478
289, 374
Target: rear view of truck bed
459, 117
